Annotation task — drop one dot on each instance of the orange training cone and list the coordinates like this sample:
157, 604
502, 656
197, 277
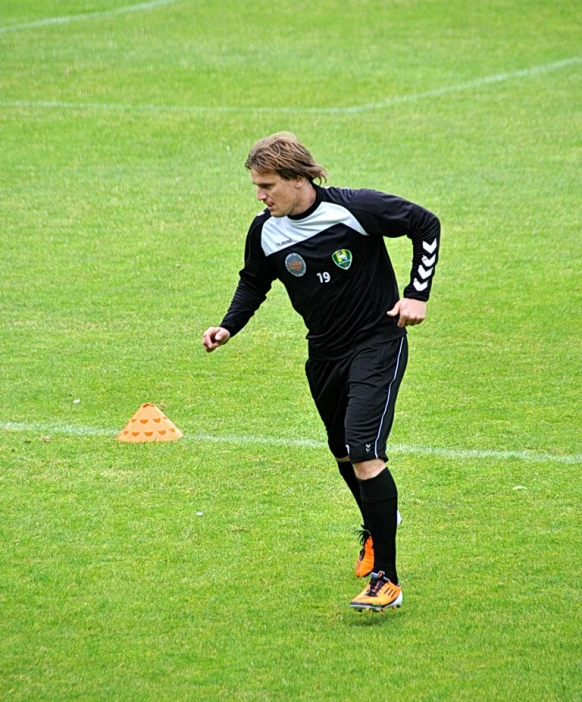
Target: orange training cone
149, 424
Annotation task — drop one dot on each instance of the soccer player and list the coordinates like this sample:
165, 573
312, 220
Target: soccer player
326, 245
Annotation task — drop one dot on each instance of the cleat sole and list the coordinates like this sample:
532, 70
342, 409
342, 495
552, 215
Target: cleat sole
370, 608
377, 608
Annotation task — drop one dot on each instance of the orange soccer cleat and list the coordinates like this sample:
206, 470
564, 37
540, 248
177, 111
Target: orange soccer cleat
378, 595
365, 561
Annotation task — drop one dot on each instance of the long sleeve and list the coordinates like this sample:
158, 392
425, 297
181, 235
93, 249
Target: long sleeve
255, 282
392, 216
425, 234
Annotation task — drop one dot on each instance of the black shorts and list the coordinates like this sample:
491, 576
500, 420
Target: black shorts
356, 395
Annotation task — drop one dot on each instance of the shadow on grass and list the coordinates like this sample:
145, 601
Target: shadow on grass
374, 619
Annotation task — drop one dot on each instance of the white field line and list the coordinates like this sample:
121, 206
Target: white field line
354, 109
452, 453
86, 16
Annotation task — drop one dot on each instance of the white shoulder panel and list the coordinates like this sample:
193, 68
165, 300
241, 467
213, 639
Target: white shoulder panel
282, 232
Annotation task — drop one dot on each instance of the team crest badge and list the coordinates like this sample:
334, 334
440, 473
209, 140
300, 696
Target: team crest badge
295, 264
342, 258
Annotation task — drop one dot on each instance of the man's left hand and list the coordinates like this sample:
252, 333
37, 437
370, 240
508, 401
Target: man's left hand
411, 312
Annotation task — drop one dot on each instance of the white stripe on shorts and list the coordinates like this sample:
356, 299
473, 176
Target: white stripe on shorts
388, 398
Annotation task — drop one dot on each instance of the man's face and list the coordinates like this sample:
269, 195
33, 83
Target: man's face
281, 196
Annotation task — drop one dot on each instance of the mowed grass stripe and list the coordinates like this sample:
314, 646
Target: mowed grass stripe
354, 109
454, 453
85, 16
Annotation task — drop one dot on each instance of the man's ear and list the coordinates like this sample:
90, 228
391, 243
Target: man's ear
299, 181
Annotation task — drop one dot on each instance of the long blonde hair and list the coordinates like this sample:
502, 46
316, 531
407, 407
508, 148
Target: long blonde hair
284, 154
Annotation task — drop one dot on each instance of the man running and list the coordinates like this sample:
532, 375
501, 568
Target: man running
326, 245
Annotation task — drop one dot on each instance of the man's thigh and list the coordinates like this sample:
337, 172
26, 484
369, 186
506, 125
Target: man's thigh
328, 382
374, 380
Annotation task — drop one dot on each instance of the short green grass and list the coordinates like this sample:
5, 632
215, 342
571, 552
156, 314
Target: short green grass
123, 225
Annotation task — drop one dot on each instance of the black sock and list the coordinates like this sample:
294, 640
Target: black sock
379, 504
347, 472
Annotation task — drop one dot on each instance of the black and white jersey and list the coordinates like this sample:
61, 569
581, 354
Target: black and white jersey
333, 262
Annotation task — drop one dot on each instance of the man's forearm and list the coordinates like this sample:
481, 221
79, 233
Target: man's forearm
426, 243
246, 301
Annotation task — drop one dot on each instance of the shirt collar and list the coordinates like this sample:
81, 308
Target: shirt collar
311, 209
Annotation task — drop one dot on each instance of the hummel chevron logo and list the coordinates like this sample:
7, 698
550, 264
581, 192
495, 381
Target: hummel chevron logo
419, 286
368, 447
429, 247
428, 261
424, 274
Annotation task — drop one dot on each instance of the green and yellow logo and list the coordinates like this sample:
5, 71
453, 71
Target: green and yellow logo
342, 258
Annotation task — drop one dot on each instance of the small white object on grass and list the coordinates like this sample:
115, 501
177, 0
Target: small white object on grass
199, 514
76, 402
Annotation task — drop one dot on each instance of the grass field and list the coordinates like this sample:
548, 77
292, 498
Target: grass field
124, 208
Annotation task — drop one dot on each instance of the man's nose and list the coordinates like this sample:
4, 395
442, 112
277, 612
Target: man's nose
261, 195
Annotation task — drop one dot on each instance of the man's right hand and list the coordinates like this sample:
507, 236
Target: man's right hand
214, 337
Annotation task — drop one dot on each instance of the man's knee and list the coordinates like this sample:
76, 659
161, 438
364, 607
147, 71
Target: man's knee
369, 469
